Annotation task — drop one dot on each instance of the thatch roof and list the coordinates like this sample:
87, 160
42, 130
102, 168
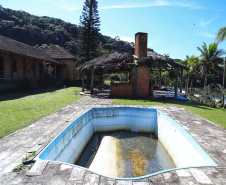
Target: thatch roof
122, 60
57, 52
114, 60
162, 62
14, 47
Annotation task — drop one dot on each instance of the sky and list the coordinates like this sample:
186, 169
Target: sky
174, 27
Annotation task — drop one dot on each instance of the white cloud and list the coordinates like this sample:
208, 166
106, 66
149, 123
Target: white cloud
78, 5
152, 4
205, 34
129, 39
124, 38
156, 3
150, 44
204, 23
71, 6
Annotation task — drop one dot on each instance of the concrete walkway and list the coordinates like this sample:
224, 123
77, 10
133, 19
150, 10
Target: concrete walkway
36, 136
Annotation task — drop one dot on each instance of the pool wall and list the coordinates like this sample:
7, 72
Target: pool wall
183, 149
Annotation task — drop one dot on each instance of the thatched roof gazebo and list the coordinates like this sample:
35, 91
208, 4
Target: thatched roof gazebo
111, 62
128, 59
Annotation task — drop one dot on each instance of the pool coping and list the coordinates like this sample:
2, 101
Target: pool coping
209, 135
91, 111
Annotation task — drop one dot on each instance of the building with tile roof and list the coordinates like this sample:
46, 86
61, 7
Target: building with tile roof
20, 61
60, 54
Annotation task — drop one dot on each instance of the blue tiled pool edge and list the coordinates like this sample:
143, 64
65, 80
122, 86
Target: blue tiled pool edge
90, 114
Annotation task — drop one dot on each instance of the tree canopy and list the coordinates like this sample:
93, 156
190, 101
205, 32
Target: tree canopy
44, 31
221, 35
89, 30
210, 58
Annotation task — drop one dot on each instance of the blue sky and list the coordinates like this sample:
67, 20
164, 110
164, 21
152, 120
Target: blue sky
174, 27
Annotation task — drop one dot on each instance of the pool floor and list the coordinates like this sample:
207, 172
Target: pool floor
130, 154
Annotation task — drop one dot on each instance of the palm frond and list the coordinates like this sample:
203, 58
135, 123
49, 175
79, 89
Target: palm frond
221, 35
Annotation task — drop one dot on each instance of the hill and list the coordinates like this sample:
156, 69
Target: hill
43, 31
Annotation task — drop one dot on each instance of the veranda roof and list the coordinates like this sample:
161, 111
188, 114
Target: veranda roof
14, 47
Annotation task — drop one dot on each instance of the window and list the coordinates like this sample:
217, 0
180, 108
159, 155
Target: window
14, 65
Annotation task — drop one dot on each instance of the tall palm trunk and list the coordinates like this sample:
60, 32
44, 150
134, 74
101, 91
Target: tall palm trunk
192, 80
205, 82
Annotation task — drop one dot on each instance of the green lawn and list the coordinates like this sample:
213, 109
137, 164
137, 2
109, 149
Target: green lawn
216, 115
21, 109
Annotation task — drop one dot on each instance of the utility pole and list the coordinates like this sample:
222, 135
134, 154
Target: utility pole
224, 74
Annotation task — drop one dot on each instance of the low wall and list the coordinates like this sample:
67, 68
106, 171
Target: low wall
121, 90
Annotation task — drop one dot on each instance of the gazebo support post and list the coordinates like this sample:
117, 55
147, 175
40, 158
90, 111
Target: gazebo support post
83, 88
135, 81
92, 81
88, 74
160, 74
100, 81
181, 77
176, 84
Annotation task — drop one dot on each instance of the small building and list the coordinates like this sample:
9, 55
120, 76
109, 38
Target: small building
58, 53
20, 61
137, 61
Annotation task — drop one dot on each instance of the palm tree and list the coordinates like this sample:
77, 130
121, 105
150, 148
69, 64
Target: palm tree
210, 59
193, 65
221, 35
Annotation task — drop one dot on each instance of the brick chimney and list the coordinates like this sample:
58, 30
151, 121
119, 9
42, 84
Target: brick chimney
141, 42
142, 77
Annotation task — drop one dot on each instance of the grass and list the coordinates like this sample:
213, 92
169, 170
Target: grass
216, 115
17, 110
21, 109
107, 82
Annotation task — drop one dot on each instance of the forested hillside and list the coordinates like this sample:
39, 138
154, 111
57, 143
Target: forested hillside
41, 31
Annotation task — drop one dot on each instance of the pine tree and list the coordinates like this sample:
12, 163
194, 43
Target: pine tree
89, 24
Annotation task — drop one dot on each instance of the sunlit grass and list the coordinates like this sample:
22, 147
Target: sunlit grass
216, 115
20, 110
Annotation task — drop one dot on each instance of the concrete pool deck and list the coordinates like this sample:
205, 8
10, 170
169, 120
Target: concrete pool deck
37, 135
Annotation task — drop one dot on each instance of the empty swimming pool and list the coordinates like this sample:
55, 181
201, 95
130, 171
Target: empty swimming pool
181, 147
125, 154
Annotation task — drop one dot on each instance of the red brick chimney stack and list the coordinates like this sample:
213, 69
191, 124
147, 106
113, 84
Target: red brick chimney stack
142, 78
141, 43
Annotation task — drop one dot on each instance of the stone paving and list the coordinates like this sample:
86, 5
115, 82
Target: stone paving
36, 136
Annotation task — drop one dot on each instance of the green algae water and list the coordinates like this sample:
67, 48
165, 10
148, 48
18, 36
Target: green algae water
129, 154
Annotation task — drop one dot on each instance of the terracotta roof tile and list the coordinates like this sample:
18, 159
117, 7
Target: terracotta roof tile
58, 52
15, 47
